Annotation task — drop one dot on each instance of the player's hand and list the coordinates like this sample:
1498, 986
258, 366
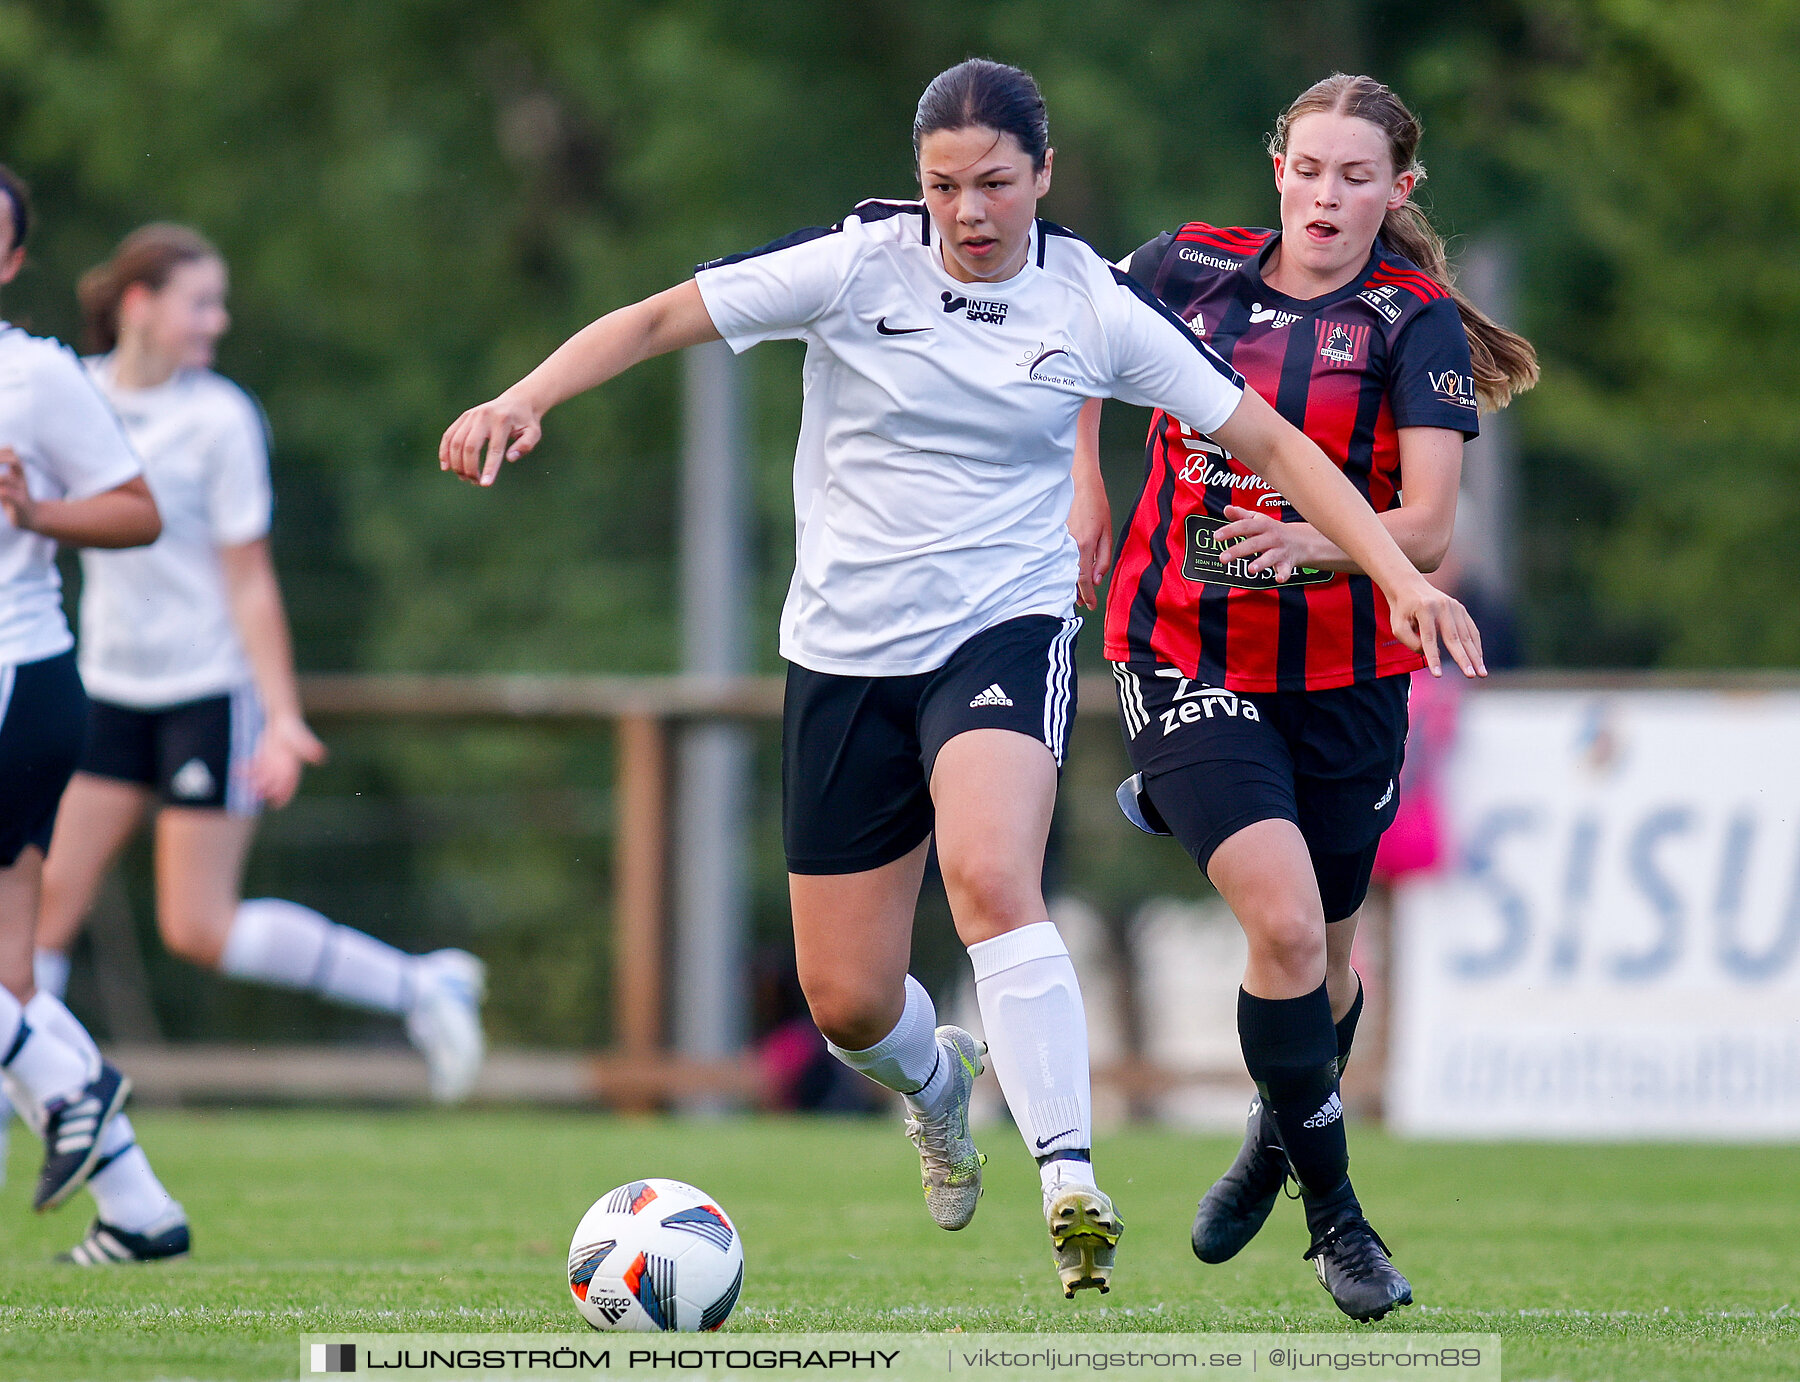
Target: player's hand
1266, 542
15, 496
285, 748
1090, 524
475, 444
1425, 618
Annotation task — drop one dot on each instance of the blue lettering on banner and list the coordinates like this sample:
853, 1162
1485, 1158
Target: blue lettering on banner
1481, 864
1735, 958
1659, 892
1578, 888
1665, 893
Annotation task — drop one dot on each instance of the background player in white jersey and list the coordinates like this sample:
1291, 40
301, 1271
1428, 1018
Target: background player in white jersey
67, 475
928, 629
196, 715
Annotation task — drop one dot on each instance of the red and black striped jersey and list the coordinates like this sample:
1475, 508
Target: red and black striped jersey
1349, 369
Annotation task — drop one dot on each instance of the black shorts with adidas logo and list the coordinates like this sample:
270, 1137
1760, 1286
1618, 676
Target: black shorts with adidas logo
193, 754
857, 752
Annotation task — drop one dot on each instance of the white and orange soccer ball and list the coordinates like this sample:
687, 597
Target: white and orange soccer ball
654, 1255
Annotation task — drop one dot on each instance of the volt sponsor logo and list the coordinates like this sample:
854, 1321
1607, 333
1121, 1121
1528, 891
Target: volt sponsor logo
1452, 386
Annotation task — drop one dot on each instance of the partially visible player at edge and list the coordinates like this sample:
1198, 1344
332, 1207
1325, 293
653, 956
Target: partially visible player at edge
195, 716
929, 626
67, 475
1262, 676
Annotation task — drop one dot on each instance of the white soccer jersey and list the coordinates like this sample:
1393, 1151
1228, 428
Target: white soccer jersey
932, 477
72, 448
156, 625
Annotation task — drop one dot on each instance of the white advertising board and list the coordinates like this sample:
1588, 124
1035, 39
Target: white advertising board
1616, 951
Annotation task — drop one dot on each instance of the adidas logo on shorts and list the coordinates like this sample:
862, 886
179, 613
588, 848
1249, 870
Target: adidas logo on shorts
992, 696
193, 780
1329, 1112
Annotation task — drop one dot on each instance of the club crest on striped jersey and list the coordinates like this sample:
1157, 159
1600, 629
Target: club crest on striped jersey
1341, 344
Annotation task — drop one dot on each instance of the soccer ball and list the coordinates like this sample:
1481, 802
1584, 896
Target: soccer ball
655, 1254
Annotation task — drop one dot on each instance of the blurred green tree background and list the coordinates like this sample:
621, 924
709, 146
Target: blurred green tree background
419, 198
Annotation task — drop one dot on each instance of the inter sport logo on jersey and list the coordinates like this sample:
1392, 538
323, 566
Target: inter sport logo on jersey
992, 313
1272, 317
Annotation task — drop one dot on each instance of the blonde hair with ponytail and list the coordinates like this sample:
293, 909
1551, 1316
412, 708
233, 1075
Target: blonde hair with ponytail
1503, 361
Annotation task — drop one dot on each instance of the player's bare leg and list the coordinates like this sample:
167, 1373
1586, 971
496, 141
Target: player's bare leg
994, 791
852, 946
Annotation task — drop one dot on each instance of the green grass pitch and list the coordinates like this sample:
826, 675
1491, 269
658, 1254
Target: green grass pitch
1634, 1262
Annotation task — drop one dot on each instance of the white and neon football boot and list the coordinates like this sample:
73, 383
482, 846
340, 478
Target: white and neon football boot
1084, 1234
948, 1162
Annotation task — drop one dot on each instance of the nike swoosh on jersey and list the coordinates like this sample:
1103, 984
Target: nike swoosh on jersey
887, 330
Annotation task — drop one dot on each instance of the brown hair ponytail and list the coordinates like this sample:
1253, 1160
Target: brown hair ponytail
148, 255
1503, 361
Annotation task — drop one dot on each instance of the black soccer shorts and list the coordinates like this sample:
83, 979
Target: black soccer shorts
1215, 761
194, 754
857, 752
43, 718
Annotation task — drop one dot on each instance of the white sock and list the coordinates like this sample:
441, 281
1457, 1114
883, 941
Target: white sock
1059, 1175
50, 971
44, 1065
907, 1058
286, 944
127, 1192
1036, 1034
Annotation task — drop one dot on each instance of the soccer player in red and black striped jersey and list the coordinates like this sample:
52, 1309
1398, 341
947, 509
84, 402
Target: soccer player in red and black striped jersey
1261, 685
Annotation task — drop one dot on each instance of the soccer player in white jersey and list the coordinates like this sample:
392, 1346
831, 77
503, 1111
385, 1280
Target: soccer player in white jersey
950, 343
67, 475
196, 716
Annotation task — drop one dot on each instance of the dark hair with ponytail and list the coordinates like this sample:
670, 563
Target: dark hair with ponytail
1504, 361
988, 94
148, 256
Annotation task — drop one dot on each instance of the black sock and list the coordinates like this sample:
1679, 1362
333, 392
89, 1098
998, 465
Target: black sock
1290, 1048
1346, 1027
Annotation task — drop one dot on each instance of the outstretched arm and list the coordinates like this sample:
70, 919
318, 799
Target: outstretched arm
509, 426
1422, 616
